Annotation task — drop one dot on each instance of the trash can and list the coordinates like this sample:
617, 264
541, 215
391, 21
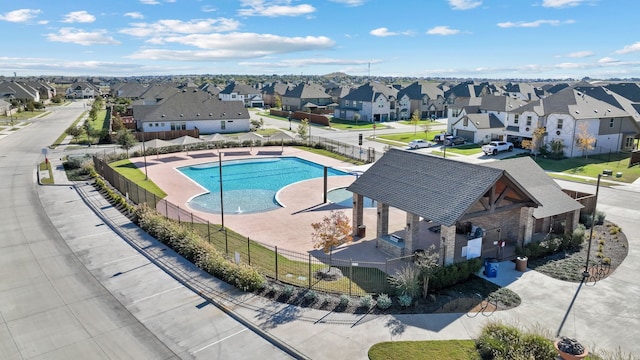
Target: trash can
491, 267
521, 263
362, 231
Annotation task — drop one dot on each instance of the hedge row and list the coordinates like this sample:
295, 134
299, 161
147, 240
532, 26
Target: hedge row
194, 248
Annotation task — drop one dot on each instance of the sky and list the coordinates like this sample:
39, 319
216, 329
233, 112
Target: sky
521, 39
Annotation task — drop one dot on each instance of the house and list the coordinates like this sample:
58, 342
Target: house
306, 97
192, 109
453, 197
463, 91
523, 91
5, 108
482, 119
425, 97
18, 91
271, 92
249, 96
128, 90
369, 102
46, 91
82, 90
564, 114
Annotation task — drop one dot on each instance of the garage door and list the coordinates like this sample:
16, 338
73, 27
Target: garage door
467, 134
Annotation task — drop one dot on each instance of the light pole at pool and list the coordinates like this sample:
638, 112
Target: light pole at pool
586, 273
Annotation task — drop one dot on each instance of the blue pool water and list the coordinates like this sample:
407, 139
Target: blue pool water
250, 186
344, 197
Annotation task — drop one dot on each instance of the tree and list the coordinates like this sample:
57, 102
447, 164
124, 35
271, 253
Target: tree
278, 101
584, 140
536, 140
427, 262
415, 119
426, 128
303, 129
356, 117
75, 132
117, 123
333, 230
125, 139
557, 147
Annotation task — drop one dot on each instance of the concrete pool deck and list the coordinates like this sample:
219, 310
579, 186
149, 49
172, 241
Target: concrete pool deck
288, 227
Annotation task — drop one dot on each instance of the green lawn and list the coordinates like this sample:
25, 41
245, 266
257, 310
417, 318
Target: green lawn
592, 166
407, 137
432, 350
467, 149
352, 125
127, 169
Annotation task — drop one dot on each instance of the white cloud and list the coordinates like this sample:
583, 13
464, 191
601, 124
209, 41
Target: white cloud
442, 30
171, 27
608, 60
79, 17
629, 48
562, 3
150, 2
233, 46
272, 9
350, 2
80, 37
208, 8
383, 31
306, 62
134, 15
532, 24
21, 15
464, 4
580, 54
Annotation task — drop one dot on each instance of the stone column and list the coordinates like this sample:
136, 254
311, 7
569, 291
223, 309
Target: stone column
382, 227
411, 232
358, 213
571, 222
448, 237
526, 224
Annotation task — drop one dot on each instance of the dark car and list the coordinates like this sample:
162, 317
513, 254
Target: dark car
455, 140
440, 138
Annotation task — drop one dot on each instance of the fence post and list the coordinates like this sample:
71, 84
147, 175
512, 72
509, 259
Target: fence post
178, 214
276, 254
208, 231
248, 251
350, 274
226, 241
191, 221
309, 271
166, 209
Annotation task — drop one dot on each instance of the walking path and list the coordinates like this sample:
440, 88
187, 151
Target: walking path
600, 314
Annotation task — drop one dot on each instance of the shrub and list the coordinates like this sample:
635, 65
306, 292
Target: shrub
454, 273
600, 217
499, 341
577, 238
310, 295
366, 301
407, 281
384, 301
344, 300
405, 300
189, 244
288, 290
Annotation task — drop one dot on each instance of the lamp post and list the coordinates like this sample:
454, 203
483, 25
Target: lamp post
585, 273
289, 120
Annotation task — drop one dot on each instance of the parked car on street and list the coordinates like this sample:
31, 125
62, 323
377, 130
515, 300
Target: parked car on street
421, 143
455, 140
494, 147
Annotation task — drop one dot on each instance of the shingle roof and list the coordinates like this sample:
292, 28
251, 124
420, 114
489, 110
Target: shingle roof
630, 91
366, 92
308, 91
484, 121
533, 178
575, 103
437, 189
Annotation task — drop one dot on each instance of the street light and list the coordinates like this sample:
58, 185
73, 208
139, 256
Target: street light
289, 120
585, 273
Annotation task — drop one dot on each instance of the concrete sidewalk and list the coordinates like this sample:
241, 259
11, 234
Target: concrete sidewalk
596, 313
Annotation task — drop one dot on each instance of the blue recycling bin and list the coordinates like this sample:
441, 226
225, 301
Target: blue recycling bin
491, 267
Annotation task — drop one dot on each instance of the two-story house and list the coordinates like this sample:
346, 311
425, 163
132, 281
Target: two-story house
425, 97
249, 96
82, 90
563, 115
18, 91
371, 102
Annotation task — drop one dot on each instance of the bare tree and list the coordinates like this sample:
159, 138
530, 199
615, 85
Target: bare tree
415, 119
536, 140
303, 129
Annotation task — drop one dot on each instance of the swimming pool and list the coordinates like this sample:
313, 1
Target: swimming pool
250, 185
344, 197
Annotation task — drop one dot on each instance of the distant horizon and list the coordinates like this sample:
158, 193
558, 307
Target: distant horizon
455, 39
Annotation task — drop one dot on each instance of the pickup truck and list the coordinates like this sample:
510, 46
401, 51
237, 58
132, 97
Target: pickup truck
494, 147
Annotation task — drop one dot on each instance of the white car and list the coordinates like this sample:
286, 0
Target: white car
417, 144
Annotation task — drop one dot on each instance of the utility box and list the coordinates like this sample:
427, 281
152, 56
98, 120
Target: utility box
362, 231
491, 268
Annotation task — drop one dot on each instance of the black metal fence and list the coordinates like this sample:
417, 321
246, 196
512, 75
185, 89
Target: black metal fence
313, 270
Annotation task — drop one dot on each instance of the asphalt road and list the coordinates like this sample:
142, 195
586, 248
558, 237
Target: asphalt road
71, 288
